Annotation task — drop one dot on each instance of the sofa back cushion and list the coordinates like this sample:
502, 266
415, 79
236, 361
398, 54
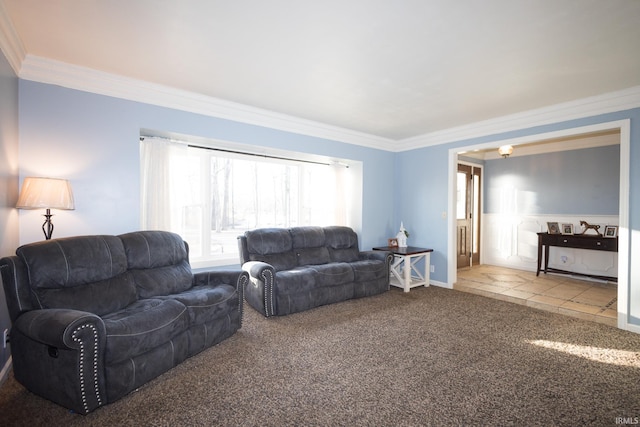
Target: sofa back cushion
87, 273
342, 244
273, 246
158, 261
309, 245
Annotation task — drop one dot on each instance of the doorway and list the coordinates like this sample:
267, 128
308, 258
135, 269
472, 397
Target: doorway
624, 127
468, 212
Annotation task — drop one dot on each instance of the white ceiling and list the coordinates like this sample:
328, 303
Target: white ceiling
395, 69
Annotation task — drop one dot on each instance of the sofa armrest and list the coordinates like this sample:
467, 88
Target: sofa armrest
258, 269
385, 256
259, 291
59, 354
237, 278
379, 255
15, 278
62, 328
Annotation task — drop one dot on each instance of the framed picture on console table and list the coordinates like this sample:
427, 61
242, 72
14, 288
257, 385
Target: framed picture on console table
567, 228
553, 228
392, 242
610, 231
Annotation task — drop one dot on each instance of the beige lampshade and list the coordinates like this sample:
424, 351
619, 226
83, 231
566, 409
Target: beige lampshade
49, 193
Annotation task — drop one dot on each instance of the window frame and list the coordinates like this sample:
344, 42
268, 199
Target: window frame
353, 213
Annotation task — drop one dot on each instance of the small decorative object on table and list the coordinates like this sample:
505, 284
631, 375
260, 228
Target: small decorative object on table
567, 228
553, 228
392, 242
402, 236
588, 227
611, 231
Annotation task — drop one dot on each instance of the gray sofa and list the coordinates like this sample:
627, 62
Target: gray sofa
295, 269
95, 317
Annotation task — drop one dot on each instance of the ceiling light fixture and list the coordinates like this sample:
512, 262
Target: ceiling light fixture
505, 151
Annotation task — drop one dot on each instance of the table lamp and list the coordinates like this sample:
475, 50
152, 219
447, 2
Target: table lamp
48, 193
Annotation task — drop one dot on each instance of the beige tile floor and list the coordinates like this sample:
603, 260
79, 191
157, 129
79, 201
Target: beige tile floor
589, 300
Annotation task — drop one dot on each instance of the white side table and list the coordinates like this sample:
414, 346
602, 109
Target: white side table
404, 271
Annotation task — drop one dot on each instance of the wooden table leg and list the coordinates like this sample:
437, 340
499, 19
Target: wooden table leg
539, 255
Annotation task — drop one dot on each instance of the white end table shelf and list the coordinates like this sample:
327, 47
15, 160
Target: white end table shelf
404, 271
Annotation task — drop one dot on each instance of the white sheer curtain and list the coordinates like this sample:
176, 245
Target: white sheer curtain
341, 184
157, 179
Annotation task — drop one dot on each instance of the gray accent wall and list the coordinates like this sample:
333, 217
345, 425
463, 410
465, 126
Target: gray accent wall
582, 182
8, 186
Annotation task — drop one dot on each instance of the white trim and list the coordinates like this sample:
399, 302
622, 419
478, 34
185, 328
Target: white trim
624, 287
10, 42
85, 79
623, 232
440, 284
606, 103
598, 140
4, 373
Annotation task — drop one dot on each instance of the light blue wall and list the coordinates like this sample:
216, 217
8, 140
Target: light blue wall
421, 197
573, 182
8, 181
93, 140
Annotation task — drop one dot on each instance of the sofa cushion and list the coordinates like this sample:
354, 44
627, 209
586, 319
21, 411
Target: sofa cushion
311, 256
207, 303
99, 298
158, 261
342, 243
307, 237
150, 249
332, 274
309, 245
142, 326
266, 241
85, 273
163, 280
273, 246
298, 279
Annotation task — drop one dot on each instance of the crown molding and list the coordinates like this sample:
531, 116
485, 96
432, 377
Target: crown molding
10, 42
601, 104
89, 80
552, 146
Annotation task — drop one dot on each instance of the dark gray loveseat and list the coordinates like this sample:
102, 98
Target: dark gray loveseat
95, 317
295, 269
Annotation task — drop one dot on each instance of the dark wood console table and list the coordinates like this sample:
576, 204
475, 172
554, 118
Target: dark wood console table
576, 241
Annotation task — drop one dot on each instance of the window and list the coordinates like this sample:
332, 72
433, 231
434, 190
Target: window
211, 195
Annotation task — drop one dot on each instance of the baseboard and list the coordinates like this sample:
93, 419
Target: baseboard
4, 374
440, 284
